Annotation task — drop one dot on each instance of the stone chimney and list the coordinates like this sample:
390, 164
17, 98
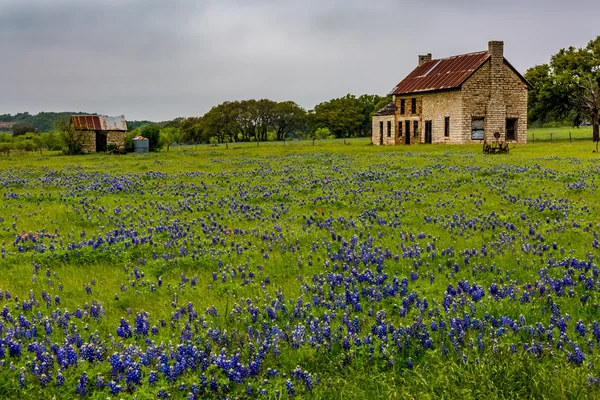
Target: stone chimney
496, 109
424, 58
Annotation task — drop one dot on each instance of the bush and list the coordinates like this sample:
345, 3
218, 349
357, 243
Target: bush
6, 147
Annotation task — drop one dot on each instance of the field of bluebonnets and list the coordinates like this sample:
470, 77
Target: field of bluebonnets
333, 271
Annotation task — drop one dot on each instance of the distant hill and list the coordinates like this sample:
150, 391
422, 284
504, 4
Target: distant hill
44, 121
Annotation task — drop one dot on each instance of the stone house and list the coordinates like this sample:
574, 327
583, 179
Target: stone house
461, 99
100, 131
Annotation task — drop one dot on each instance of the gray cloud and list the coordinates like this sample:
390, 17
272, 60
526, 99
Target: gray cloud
156, 59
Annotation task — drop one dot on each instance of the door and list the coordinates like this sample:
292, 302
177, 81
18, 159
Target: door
101, 139
380, 132
407, 132
428, 138
511, 129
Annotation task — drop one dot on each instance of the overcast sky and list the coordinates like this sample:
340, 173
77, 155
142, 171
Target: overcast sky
159, 59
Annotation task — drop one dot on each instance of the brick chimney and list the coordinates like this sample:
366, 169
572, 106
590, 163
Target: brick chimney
424, 58
496, 109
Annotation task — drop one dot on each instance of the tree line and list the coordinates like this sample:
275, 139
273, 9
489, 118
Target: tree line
264, 120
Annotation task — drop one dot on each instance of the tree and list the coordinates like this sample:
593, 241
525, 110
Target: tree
343, 116
287, 117
72, 139
166, 137
569, 86
152, 133
192, 130
22, 129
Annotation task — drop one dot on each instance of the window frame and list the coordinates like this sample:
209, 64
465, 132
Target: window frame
413, 105
400, 128
402, 106
447, 126
482, 119
416, 128
389, 129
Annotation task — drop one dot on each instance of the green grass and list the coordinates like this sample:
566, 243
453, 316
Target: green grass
560, 134
204, 206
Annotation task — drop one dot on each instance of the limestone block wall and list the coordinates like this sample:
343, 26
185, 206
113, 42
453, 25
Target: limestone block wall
476, 94
377, 129
408, 115
89, 141
436, 107
117, 138
515, 97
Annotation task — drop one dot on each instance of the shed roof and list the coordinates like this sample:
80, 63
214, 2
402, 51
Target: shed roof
388, 109
98, 123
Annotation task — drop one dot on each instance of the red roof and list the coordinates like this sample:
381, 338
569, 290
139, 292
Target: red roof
447, 73
98, 123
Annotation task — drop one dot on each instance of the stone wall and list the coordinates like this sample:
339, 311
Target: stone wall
89, 141
112, 137
476, 103
515, 97
376, 130
436, 107
408, 115
117, 138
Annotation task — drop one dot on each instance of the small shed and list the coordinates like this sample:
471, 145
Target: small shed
100, 131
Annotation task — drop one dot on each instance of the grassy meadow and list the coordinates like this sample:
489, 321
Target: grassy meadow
331, 271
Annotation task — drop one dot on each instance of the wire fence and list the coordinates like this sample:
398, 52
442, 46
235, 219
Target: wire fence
559, 135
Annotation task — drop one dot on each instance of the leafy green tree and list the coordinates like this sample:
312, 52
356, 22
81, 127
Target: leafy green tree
71, 139
287, 117
152, 133
568, 86
22, 129
6, 147
343, 116
192, 130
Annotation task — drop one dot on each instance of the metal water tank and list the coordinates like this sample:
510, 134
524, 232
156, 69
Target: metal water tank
141, 145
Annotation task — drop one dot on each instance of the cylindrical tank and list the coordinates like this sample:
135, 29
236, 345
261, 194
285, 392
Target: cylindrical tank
141, 146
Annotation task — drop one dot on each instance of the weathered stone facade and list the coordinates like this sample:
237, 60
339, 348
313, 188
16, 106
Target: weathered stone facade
492, 98
116, 138
100, 132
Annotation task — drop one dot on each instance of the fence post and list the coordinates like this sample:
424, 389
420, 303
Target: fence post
533, 134
550, 137
570, 141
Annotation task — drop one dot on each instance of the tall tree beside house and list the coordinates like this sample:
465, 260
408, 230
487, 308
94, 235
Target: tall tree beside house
72, 140
371, 103
569, 86
342, 116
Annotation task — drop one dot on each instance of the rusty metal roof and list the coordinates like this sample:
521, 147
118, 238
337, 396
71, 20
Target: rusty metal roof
98, 123
446, 73
388, 109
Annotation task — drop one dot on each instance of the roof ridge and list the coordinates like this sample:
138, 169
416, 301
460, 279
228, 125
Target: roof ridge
460, 55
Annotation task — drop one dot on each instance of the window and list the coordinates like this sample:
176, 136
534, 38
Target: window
402, 107
447, 127
389, 128
477, 130
416, 128
399, 128
407, 126
381, 128
413, 106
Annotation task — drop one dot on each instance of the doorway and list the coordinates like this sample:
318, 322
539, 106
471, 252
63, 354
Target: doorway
406, 132
101, 139
428, 138
511, 129
380, 132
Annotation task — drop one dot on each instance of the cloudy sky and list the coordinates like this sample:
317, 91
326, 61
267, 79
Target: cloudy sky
159, 59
